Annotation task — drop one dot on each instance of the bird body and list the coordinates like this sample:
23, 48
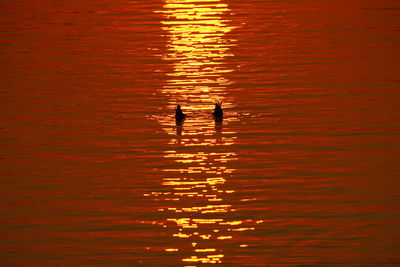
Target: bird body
218, 112
179, 115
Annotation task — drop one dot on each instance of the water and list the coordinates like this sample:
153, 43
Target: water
303, 170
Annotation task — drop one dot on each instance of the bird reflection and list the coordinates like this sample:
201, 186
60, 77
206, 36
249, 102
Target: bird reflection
218, 131
179, 129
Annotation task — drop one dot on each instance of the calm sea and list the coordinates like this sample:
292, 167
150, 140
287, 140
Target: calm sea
303, 170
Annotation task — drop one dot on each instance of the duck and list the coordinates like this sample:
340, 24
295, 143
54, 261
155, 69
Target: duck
179, 115
218, 112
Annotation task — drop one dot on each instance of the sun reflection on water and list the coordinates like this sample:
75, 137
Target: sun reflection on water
197, 48
194, 187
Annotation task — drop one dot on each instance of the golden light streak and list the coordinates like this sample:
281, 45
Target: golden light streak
197, 50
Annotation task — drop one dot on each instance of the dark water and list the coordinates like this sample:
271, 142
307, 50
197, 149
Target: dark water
303, 170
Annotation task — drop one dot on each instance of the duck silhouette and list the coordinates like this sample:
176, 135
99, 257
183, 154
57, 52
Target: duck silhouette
179, 115
218, 112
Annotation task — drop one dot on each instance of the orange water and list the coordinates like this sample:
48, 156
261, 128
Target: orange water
303, 170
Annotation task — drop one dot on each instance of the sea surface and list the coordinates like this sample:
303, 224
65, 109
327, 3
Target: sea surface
303, 170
